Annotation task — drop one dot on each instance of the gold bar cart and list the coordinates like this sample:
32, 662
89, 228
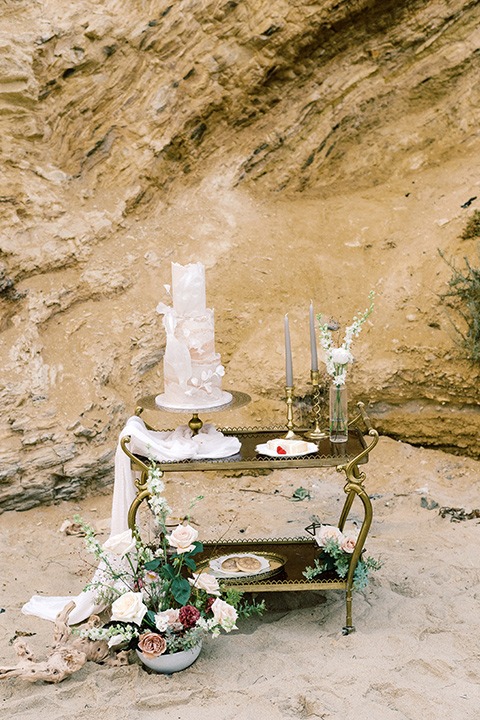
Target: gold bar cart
299, 552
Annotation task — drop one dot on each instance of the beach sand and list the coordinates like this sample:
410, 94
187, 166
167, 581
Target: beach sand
414, 655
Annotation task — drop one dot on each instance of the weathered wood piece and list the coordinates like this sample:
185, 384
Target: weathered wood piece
69, 653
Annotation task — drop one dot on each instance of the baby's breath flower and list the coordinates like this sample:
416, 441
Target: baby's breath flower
125, 632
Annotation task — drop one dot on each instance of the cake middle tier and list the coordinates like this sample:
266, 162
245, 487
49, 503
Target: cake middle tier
197, 333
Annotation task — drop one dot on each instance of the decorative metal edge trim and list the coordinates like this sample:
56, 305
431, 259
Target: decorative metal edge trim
252, 429
249, 429
233, 460
273, 585
303, 539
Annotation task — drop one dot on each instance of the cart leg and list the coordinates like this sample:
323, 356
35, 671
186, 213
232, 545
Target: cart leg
349, 628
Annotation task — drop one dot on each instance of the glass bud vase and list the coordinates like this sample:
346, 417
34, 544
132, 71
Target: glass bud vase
338, 414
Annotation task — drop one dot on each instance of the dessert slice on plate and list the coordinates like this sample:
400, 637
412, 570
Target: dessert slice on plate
280, 447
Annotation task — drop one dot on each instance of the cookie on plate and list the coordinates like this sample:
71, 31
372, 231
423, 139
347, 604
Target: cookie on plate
230, 565
248, 564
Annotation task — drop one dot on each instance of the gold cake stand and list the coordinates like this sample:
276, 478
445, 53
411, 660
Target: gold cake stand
239, 399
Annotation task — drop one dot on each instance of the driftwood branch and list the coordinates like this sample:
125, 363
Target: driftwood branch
68, 654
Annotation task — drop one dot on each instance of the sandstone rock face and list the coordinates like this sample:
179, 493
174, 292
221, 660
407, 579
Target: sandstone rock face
298, 149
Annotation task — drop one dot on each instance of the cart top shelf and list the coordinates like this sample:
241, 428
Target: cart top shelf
329, 454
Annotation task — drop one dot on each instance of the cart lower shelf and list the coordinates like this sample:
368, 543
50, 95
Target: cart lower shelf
297, 554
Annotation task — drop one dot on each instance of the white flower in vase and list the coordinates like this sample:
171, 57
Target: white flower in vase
341, 356
337, 358
336, 361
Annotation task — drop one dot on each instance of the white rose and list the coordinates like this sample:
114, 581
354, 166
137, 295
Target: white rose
340, 356
182, 538
120, 544
326, 532
205, 581
224, 614
129, 608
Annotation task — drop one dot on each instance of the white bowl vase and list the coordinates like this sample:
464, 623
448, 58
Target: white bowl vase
175, 662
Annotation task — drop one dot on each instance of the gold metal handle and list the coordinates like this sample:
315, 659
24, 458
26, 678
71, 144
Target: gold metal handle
123, 443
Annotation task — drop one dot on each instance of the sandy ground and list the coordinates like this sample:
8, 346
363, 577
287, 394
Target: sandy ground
415, 651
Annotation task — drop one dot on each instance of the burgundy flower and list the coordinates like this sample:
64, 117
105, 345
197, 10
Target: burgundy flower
209, 603
188, 616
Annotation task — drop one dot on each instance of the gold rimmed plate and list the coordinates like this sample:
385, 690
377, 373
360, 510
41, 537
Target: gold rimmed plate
270, 564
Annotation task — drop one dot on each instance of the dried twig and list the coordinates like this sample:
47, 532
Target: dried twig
458, 514
262, 492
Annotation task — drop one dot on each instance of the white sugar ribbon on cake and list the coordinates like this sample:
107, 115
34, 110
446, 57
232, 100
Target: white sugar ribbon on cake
177, 354
179, 444
162, 308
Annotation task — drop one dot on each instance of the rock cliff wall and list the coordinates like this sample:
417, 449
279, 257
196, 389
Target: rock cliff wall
298, 149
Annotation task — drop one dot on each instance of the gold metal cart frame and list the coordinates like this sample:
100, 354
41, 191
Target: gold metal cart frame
299, 552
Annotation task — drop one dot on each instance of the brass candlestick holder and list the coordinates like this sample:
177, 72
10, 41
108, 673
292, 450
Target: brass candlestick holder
290, 433
317, 432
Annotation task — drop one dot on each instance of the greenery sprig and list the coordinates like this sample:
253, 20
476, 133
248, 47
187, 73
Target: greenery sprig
333, 558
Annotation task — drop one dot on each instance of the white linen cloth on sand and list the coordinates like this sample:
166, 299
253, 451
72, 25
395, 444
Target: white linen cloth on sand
179, 444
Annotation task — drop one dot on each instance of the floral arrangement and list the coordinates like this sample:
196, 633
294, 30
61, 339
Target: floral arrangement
336, 553
158, 603
337, 358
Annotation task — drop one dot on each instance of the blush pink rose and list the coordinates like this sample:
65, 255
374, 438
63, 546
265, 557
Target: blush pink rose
182, 538
326, 532
205, 581
347, 543
168, 619
224, 614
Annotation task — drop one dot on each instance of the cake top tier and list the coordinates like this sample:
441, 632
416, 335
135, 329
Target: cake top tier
188, 289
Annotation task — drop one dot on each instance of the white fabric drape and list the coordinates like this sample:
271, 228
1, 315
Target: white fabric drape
179, 444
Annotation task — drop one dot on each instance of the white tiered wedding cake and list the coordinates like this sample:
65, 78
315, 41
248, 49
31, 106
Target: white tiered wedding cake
192, 369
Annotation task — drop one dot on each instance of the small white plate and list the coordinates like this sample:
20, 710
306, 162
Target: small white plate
263, 450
